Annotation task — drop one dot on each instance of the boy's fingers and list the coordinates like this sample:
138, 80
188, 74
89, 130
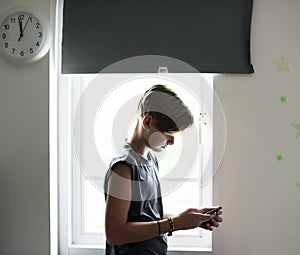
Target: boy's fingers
206, 217
209, 227
219, 219
215, 223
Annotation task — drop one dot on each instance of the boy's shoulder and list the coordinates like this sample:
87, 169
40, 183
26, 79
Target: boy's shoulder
130, 157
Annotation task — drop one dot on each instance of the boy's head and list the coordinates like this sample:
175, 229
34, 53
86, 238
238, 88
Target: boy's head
166, 108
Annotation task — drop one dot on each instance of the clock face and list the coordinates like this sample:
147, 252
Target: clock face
21, 36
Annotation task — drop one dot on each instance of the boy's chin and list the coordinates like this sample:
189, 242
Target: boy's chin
158, 149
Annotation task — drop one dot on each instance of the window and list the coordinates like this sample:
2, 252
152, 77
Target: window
96, 113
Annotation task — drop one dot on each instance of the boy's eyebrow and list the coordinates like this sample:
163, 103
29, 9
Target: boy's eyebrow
171, 132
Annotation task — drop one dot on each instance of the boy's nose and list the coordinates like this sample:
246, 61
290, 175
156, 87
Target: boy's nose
170, 140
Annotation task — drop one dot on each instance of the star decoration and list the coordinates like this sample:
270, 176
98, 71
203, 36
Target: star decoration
284, 64
298, 185
279, 157
297, 126
283, 99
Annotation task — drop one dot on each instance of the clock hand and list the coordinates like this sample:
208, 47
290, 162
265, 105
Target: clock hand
21, 29
25, 25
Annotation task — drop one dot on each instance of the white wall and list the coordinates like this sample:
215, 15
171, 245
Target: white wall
24, 170
259, 194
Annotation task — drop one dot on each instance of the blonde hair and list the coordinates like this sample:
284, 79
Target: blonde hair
168, 110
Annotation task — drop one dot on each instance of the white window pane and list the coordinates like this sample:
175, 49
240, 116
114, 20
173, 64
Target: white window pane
94, 208
185, 196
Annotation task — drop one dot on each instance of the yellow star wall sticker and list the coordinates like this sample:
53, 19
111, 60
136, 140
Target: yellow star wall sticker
297, 126
284, 64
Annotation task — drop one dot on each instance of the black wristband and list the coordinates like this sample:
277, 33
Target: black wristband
158, 226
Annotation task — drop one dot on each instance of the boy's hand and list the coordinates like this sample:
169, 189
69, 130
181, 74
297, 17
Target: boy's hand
191, 218
214, 222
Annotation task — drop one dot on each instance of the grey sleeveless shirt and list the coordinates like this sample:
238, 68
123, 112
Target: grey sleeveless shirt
146, 203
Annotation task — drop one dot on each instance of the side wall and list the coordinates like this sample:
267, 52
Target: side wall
24, 159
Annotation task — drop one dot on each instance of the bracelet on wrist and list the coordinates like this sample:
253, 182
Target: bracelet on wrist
171, 226
158, 227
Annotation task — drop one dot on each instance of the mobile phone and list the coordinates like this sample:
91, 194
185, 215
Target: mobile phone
214, 210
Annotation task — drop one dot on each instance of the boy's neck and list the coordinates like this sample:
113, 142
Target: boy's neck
139, 145
137, 142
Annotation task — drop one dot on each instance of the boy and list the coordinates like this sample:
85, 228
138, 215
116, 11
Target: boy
134, 218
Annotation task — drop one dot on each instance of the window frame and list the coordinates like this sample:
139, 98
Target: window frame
71, 242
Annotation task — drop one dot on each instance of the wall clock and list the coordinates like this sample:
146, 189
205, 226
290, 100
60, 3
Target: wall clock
24, 36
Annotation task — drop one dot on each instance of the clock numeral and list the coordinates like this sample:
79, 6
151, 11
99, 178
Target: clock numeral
6, 26
6, 45
13, 50
37, 25
30, 18
21, 17
37, 44
3, 36
22, 53
13, 20
40, 34
31, 50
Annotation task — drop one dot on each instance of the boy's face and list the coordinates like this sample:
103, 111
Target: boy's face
158, 140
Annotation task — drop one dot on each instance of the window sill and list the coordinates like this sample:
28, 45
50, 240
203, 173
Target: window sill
100, 250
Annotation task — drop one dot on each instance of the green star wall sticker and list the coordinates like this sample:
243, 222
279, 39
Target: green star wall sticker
284, 64
297, 126
298, 185
279, 157
283, 99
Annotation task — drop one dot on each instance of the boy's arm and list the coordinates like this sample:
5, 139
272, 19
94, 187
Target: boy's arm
118, 230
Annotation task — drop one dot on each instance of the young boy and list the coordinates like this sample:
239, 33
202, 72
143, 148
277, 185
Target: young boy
134, 219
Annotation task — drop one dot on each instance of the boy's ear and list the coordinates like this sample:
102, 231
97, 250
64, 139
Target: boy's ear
146, 121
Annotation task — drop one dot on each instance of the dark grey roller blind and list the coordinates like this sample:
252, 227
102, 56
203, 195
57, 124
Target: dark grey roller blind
213, 36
